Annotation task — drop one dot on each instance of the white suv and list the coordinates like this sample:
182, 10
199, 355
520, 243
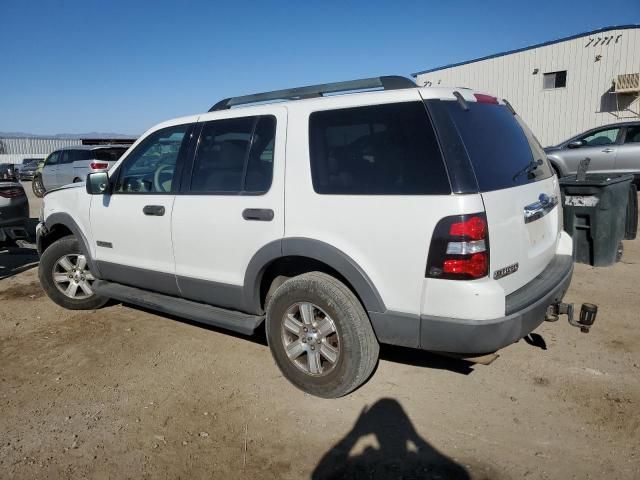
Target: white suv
422, 217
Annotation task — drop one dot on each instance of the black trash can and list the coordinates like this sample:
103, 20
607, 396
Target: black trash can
595, 211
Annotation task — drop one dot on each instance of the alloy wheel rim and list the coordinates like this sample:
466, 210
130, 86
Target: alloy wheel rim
310, 338
72, 277
39, 186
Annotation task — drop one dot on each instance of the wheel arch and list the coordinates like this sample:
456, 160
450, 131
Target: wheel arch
60, 224
303, 255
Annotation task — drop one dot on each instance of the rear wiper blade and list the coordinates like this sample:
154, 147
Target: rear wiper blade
530, 167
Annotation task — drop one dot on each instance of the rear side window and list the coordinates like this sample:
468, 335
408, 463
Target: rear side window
499, 144
633, 135
77, 155
107, 154
376, 150
235, 155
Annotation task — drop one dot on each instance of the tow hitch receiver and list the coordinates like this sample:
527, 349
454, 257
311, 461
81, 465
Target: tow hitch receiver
588, 313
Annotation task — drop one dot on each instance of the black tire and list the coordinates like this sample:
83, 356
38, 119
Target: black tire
58, 249
358, 346
631, 223
76, 180
38, 187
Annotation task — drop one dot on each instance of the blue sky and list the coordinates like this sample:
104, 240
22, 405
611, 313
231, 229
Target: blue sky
122, 66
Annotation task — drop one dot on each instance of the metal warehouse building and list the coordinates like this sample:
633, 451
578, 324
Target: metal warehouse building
561, 87
13, 150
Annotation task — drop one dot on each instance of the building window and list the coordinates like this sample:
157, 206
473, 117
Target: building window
555, 80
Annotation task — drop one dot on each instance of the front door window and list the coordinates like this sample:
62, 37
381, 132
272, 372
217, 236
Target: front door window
151, 167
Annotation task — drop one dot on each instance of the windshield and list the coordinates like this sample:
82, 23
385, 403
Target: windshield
503, 151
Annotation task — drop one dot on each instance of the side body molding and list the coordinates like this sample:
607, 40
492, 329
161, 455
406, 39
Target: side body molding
61, 218
317, 250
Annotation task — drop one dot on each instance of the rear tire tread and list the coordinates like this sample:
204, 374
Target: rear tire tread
358, 337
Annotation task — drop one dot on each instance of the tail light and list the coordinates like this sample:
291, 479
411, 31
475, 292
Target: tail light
99, 165
12, 192
482, 98
459, 248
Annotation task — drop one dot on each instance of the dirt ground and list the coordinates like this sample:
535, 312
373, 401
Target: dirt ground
125, 393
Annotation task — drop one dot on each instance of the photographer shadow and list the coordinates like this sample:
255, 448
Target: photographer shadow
398, 451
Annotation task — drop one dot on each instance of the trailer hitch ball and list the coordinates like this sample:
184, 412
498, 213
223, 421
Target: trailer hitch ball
587, 317
588, 313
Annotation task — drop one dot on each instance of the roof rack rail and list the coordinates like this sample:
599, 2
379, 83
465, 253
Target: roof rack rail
393, 82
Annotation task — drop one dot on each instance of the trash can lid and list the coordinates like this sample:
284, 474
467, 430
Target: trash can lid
597, 179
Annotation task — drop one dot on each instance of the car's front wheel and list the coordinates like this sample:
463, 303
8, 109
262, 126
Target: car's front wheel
320, 335
65, 276
37, 186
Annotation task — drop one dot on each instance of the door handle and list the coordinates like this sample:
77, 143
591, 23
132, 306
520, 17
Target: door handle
258, 214
155, 210
608, 150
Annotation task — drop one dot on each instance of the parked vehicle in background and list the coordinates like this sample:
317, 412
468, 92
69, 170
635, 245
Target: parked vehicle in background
14, 212
8, 171
422, 217
29, 168
72, 164
612, 148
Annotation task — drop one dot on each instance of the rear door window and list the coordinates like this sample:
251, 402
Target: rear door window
235, 156
500, 146
376, 150
66, 157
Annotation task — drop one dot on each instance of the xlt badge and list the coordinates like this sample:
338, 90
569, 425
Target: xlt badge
503, 272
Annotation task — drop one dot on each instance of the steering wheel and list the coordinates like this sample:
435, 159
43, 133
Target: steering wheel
157, 185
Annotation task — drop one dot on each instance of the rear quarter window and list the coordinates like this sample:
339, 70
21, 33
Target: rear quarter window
376, 150
108, 154
499, 145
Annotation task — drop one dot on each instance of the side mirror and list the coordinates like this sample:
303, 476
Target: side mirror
575, 144
97, 183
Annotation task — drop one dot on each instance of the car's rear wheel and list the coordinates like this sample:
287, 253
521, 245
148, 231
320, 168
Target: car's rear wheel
320, 336
65, 276
37, 186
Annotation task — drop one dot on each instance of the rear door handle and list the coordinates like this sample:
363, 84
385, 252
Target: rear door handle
155, 210
258, 214
608, 150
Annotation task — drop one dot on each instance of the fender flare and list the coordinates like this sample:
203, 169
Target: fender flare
317, 250
61, 218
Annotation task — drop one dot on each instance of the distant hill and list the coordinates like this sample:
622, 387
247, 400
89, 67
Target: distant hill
66, 136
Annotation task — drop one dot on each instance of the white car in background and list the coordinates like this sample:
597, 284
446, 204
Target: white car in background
72, 164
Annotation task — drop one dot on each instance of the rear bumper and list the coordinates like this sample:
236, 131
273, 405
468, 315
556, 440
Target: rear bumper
13, 230
526, 309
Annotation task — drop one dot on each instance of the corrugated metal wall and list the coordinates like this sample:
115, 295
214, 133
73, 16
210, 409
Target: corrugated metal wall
18, 157
42, 146
557, 114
